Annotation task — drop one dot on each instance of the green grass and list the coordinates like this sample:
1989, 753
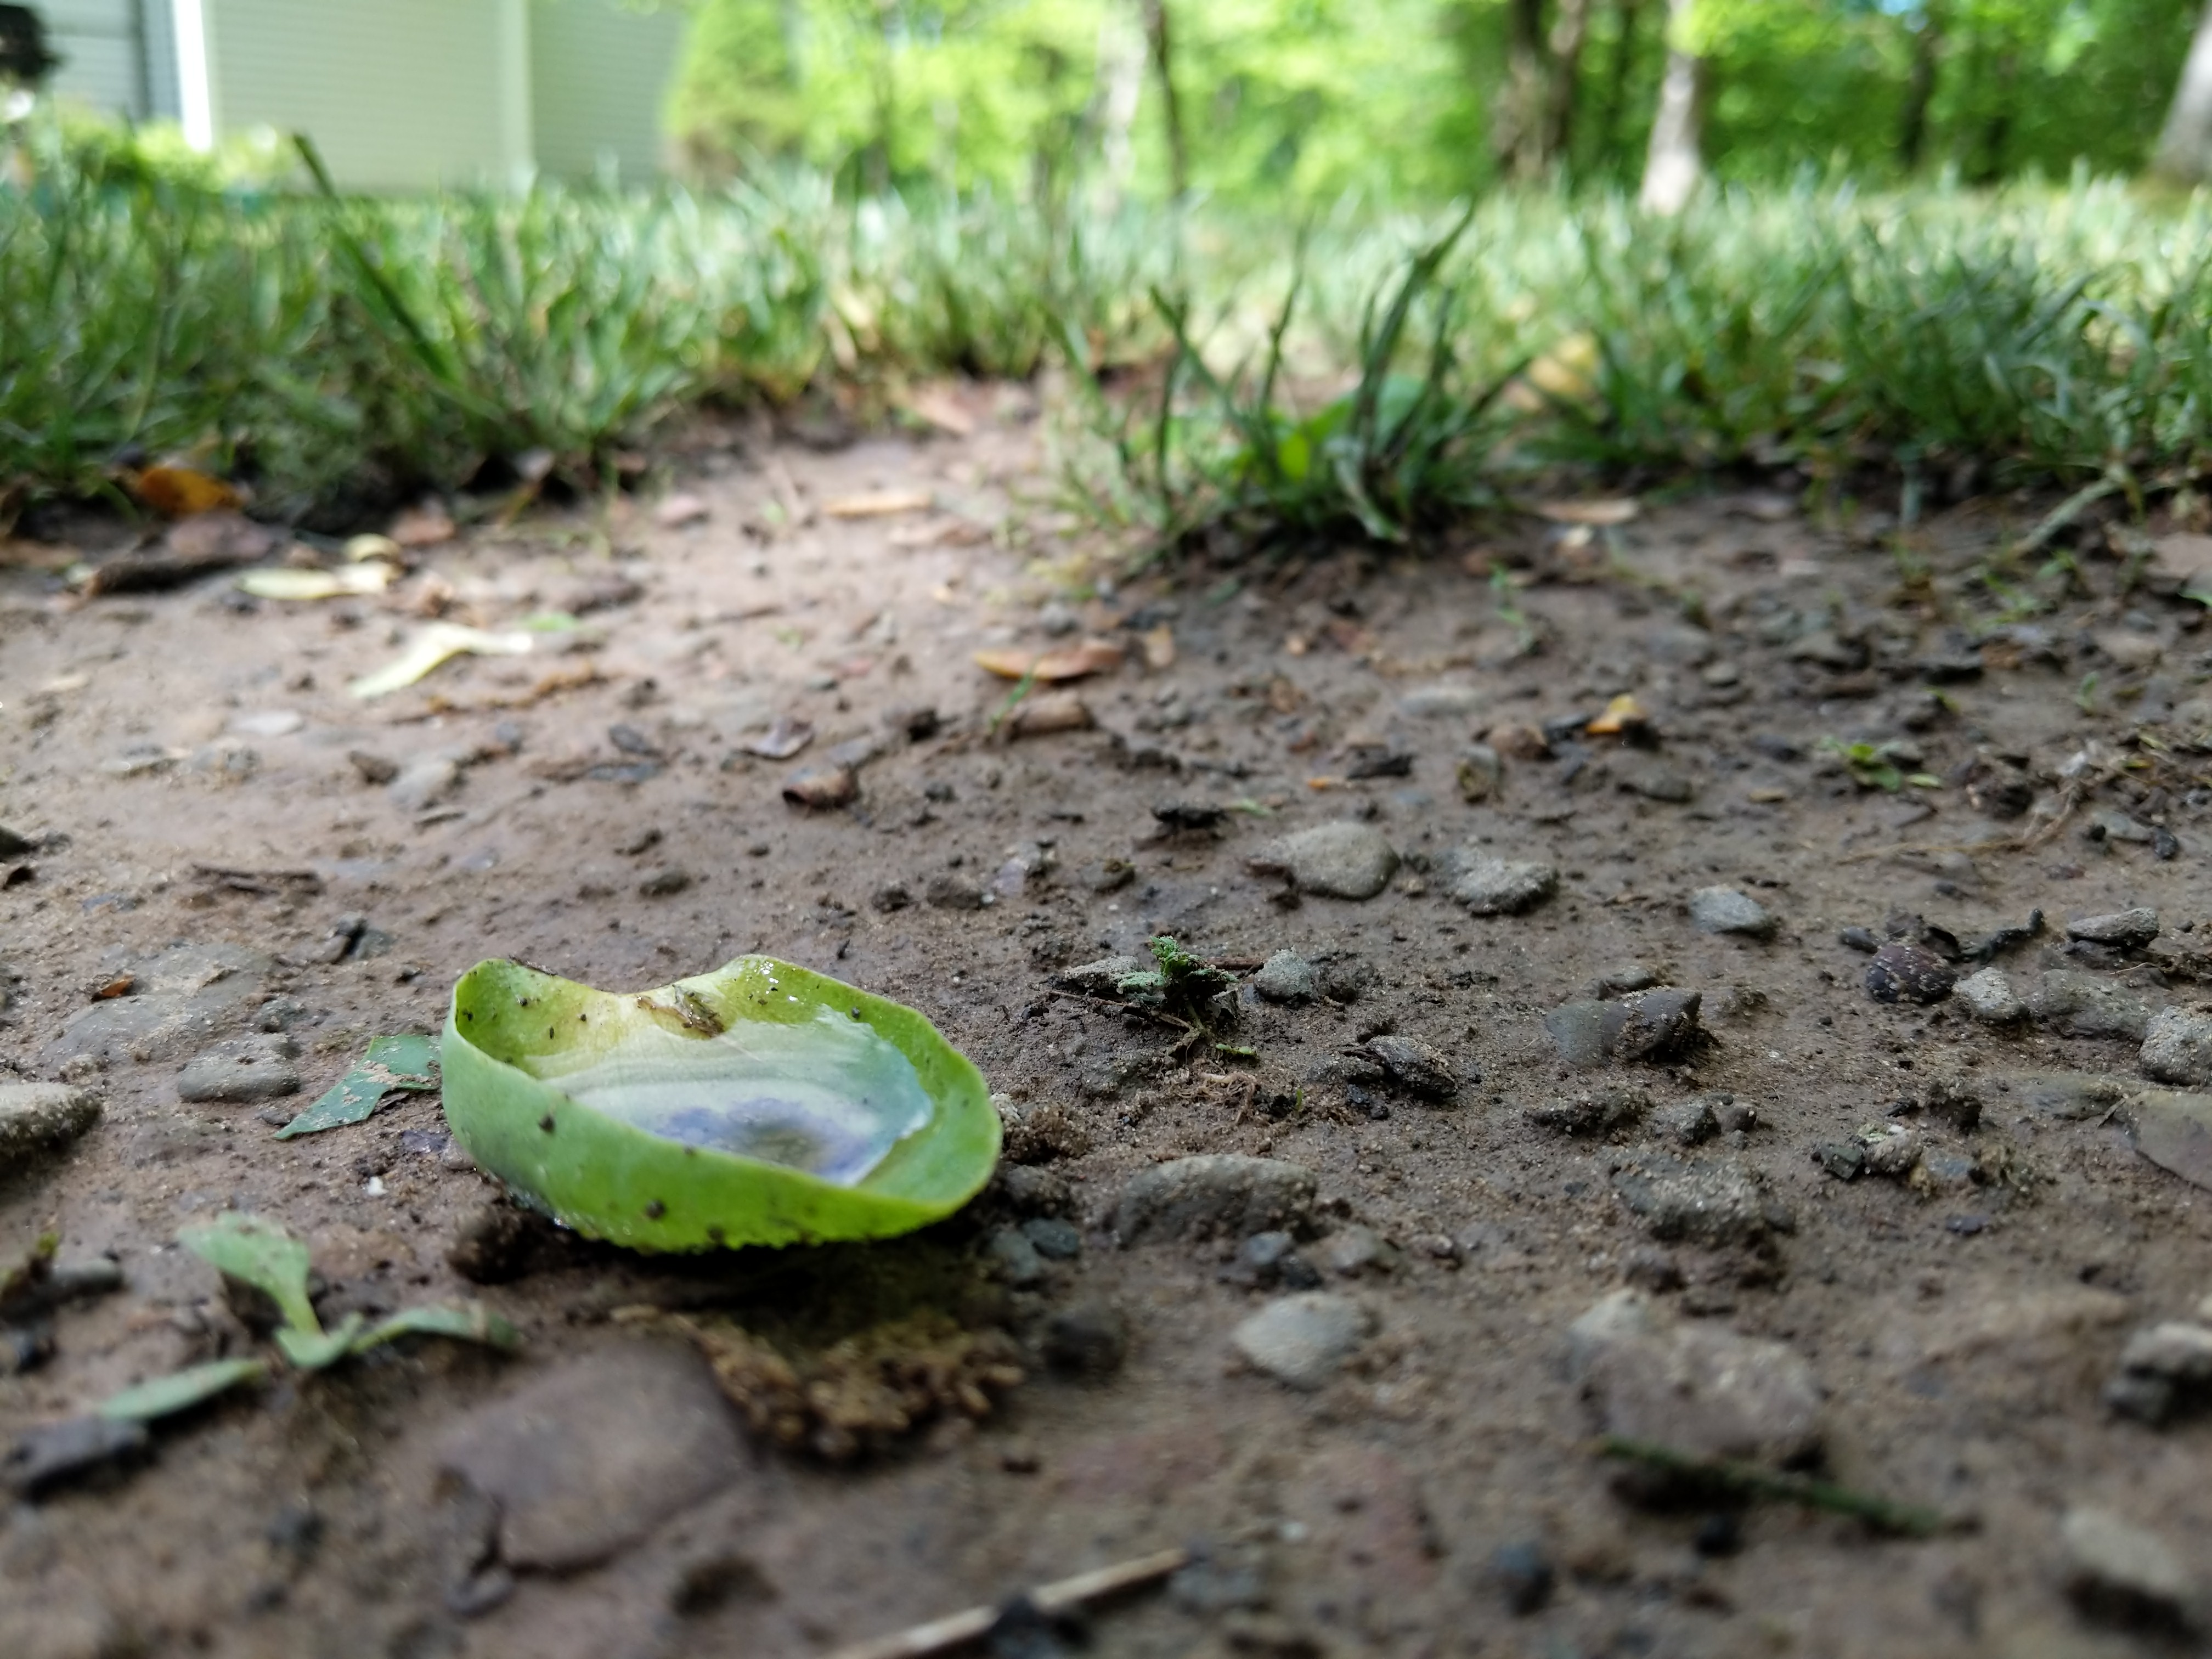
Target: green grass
337, 352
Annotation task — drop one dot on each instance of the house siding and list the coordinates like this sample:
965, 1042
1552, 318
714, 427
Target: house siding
403, 94
599, 78
102, 45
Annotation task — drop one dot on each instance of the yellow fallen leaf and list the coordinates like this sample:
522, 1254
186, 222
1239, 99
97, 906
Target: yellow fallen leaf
1618, 510
882, 504
436, 644
179, 492
372, 546
353, 581
1069, 663
1159, 648
1620, 714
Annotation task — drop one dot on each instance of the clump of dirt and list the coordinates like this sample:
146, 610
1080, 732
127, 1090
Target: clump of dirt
862, 1394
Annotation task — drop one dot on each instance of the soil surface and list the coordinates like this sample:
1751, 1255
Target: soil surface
1400, 1454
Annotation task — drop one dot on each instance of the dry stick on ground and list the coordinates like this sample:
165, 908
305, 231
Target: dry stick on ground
1066, 1595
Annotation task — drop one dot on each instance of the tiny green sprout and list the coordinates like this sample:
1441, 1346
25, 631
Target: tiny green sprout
2085, 694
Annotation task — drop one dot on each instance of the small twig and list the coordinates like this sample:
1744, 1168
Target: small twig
959, 1629
1125, 1008
1749, 1480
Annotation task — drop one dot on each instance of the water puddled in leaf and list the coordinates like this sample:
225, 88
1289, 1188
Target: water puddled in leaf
828, 1097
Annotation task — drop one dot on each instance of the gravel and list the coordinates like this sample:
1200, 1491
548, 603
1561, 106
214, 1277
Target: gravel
2087, 1006
1287, 977
1725, 910
1214, 1194
2127, 930
1414, 1066
2163, 1367
1718, 1202
1503, 887
1345, 861
242, 1069
40, 1118
2178, 1047
1302, 1341
1988, 996
2120, 1572
1697, 1389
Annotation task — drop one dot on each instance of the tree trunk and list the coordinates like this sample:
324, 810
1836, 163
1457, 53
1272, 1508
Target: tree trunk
1616, 94
2185, 148
1121, 86
1518, 135
1920, 90
1569, 32
1672, 164
1159, 37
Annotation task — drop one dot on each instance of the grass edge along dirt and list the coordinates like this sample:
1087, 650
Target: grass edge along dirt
337, 352
613, 1180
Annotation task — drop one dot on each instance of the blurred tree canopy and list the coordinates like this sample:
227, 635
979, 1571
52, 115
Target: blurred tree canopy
1411, 100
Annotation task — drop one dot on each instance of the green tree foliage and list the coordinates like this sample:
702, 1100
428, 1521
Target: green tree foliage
1415, 100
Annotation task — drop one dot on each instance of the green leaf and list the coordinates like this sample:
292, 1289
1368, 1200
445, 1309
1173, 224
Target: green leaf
164, 1396
261, 1254
313, 1350
758, 1104
467, 1321
392, 1063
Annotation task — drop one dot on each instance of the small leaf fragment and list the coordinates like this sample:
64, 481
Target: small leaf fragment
164, 1396
391, 1064
467, 1321
436, 644
263, 1255
350, 581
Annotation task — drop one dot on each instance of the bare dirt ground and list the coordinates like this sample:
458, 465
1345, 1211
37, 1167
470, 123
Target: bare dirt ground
1941, 1339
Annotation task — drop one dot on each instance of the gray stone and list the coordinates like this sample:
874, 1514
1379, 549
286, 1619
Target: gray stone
1056, 1240
1650, 1025
1345, 977
1353, 1250
184, 995
423, 783
1215, 1194
1414, 1066
1288, 976
1659, 1022
588, 1458
2119, 1571
1689, 1122
2128, 930
1592, 1111
1989, 997
2069, 1096
2089, 1006
1653, 780
1088, 1338
2178, 1047
1697, 1389
1719, 1202
1304, 1340
1503, 887
1444, 699
1101, 978
2163, 1366
1724, 910
1013, 1258
1345, 861
245, 1068
37, 1118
